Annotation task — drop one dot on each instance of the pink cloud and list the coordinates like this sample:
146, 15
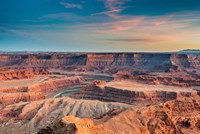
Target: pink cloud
114, 7
71, 5
120, 26
164, 20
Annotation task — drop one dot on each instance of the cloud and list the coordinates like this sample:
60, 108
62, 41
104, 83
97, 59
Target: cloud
164, 20
120, 25
71, 5
114, 7
111, 13
147, 40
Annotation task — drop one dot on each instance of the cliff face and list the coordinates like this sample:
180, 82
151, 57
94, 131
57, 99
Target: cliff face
53, 85
11, 98
180, 78
42, 60
162, 62
111, 94
173, 117
21, 74
38, 91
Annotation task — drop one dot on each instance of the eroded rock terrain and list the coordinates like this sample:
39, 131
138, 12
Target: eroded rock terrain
172, 117
99, 93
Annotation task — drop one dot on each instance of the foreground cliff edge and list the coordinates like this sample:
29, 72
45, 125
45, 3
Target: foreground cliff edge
172, 117
88, 93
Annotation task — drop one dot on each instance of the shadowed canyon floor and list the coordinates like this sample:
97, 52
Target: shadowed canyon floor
66, 93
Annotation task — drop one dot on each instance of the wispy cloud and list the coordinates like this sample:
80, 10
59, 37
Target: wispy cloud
164, 20
71, 5
114, 7
148, 40
120, 25
112, 13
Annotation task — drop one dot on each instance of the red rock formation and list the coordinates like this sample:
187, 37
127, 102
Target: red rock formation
37, 91
145, 61
53, 85
110, 94
10, 98
181, 79
98, 82
173, 117
21, 74
29, 117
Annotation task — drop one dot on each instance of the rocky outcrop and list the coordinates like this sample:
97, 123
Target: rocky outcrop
98, 83
37, 91
11, 98
173, 117
111, 94
53, 85
181, 79
29, 117
21, 74
13, 89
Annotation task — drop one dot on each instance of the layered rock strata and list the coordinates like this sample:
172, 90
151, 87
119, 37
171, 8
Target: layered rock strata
173, 117
146, 61
36, 91
111, 94
21, 74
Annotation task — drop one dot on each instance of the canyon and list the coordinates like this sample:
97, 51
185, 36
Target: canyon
87, 93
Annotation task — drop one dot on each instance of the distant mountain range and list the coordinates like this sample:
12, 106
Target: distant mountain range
189, 51
185, 51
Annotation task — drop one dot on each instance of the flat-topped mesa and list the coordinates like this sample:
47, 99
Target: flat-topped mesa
42, 60
148, 61
21, 74
180, 79
111, 59
138, 61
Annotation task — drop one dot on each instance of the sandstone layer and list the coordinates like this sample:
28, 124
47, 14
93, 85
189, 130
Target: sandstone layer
146, 61
181, 79
36, 90
21, 73
131, 92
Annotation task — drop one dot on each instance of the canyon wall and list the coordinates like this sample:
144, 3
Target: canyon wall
110, 94
21, 74
152, 61
37, 91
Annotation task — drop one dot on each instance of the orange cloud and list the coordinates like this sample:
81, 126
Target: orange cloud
121, 25
163, 20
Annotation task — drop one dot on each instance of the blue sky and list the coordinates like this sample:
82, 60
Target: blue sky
99, 25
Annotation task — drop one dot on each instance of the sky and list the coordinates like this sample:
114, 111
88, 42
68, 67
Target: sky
99, 25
